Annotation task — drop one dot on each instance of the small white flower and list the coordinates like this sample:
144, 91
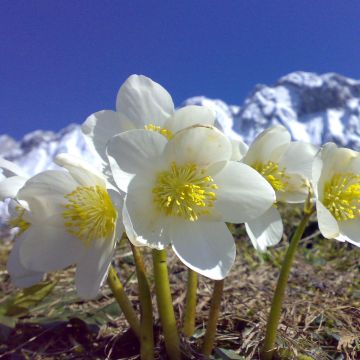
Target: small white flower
336, 179
72, 219
182, 191
142, 104
12, 178
286, 165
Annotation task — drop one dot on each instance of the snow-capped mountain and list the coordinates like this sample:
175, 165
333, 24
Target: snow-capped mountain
314, 108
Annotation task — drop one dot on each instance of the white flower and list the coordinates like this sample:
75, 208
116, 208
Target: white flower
287, 167
142, 104
182, 191
72, 219
336, 179
12, 178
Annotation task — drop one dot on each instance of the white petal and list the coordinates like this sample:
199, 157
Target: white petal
243, 194
49, 248
146, 225
45, 192
296, 191
269, 145
133, 152
350, 230
84, 173
299, 158
239, 149
9, 187
11, 169
118, 201
92, 267
19, 275
333, 160
101, 126
199, 145
189, 116
205, 247
144, 101
327, 223
266, 230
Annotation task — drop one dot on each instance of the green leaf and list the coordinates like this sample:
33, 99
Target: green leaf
224, 354
22, 302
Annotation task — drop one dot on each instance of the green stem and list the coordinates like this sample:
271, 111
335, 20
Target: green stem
123, 301
190, 307
165, 306
213, 318
268, 348
147, 335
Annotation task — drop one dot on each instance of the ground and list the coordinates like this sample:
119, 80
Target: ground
321, 312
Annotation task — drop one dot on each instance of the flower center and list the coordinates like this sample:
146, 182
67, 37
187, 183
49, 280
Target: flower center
184, 191
271, 172
89, 214
342, 196
163, 131
18, 221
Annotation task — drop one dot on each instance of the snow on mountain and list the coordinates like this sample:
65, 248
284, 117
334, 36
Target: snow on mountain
314, 108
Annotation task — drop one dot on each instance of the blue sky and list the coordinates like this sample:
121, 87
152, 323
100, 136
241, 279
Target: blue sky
60, 61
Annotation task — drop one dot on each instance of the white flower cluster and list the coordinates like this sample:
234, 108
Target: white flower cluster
170, 178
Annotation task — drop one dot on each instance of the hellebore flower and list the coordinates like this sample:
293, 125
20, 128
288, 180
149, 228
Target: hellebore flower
12, 179
181, 192
286, 165
141, 104
72, 219
336, 180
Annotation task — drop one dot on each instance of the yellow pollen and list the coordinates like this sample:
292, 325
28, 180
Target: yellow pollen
90, 213
342, 196
184, 191
18, 221
165, 132
271, 172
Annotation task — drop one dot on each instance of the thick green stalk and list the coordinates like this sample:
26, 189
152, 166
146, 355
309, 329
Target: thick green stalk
268, 348
165, 305
190, 307
147, 335
210, 333
123, 301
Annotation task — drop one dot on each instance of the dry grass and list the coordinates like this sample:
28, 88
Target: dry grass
321, 313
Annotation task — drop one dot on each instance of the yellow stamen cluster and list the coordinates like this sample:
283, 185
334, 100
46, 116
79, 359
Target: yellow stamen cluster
184, 191
90, 213
271, 172
165, 132
18, 221
342, 196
